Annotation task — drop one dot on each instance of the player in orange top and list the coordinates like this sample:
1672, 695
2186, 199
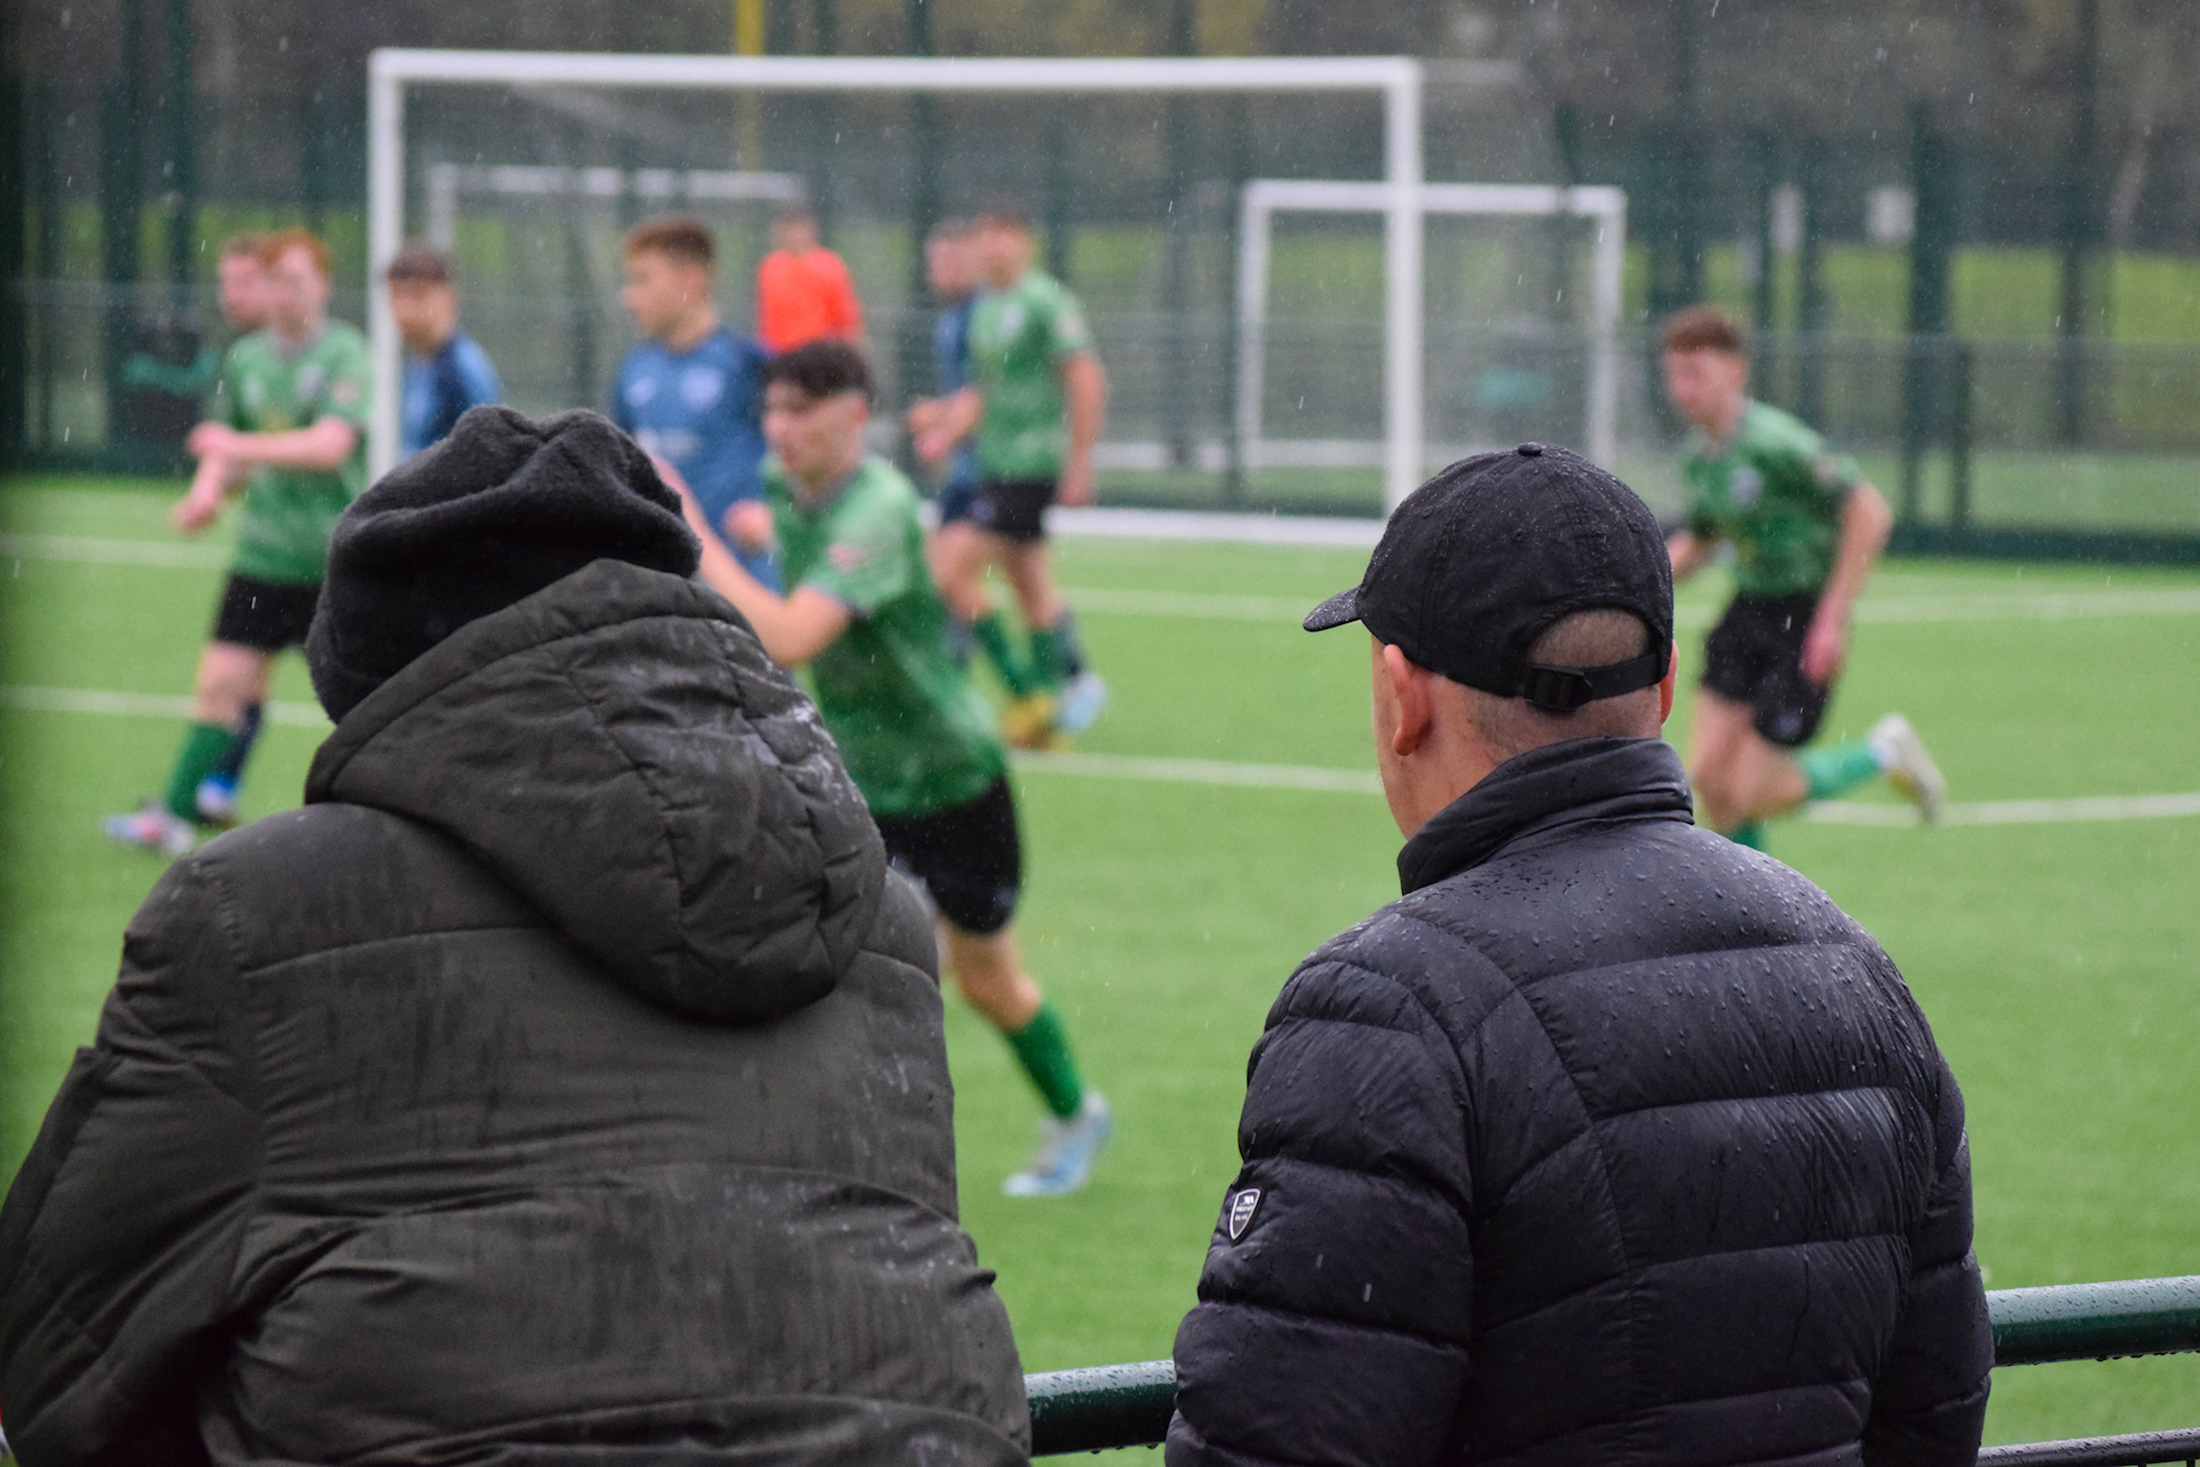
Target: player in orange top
802, 288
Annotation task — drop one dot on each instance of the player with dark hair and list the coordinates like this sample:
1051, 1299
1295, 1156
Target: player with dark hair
1806, 530
689, 392
803, 292
1035, 403
865, 617
446, 372
290, 433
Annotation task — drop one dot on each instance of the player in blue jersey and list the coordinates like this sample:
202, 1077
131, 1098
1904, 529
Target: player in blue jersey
446, 372
689, 392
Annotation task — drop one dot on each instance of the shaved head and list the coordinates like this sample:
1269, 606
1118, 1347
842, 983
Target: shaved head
1599, 638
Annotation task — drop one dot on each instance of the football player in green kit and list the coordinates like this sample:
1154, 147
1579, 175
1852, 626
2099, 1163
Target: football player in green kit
291, 437
862, 613
1806, 531
1035, 401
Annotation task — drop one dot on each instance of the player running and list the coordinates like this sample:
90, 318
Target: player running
803, 292
917, 736
951, 273
1035, 404
1806, 530
445, 371
291, 433
689, 393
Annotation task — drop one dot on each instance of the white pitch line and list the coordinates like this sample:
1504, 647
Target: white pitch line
2014, 812
1206, 771
139, 705
1225, 773
86, 548
1212, 606
1893, 610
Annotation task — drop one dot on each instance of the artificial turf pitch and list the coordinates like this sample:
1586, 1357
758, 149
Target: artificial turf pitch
2055, 959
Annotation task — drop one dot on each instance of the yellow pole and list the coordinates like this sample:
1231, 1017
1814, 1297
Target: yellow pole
748, 27
748, 128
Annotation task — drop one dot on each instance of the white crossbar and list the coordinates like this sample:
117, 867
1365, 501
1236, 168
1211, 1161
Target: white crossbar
1396, 79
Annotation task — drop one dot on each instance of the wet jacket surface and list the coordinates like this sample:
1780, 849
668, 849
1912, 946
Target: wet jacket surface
563, 1084
1609, 1142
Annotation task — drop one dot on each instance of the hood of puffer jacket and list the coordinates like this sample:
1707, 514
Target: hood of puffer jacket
619, 750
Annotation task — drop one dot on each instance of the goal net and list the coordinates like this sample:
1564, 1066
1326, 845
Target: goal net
1387, 334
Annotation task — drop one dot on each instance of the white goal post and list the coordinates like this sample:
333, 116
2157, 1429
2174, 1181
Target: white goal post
1264, 198
1397, 80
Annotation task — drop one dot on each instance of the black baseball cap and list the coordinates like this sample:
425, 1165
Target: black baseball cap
1484, 558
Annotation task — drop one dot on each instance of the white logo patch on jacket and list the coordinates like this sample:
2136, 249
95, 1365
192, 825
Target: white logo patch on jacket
1240, 1215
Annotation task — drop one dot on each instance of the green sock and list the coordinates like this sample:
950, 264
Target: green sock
991, 632
1838, 770
1751, 834
203, 748
1057, 652
1043, 1047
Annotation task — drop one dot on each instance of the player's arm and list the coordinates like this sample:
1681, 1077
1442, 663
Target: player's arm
320, 448
942, 422
792, 628
1865, 523
1085, 400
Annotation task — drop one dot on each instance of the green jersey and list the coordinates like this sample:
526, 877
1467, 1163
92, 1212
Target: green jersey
289, 514
1019, 338
917, 736
1775, 493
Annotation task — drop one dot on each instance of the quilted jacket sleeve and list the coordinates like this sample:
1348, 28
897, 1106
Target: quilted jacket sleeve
121, 1230
1929, 1402
1334, 1305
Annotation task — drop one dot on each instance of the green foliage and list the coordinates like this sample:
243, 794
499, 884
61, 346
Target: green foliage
2053, 960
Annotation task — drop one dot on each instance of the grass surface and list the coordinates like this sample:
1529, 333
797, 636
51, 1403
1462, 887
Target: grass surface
2056, 961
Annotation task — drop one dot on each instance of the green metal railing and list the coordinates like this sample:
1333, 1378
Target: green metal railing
1129, 1405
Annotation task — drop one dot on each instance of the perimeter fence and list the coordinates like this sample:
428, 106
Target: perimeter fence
1979, 443
1130, 1405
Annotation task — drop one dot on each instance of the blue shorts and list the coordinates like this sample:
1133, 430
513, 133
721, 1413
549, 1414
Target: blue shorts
956, 500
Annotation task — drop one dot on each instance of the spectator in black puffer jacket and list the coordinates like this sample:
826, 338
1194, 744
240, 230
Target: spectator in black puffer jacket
1610, 1142
564, 1084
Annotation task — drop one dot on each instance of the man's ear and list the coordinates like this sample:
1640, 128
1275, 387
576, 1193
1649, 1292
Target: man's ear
1410, 694
1665, 685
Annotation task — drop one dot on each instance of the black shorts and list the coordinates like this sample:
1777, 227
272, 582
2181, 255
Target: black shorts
968, 857
1755, 656
1014, 509
266, 616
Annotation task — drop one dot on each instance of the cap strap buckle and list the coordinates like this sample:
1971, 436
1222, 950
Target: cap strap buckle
1563, 689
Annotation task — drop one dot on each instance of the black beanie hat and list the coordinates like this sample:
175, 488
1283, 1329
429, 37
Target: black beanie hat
495, 512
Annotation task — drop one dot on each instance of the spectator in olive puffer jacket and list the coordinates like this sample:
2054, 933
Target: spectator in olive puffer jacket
564, 1083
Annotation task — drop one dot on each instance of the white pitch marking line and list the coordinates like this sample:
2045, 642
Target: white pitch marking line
140, 705
1224, 772
1894, 610
1206, 771
87, 548
1211, 606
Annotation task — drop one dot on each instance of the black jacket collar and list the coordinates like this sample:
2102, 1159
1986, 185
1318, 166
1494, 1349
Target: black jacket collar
1582, 779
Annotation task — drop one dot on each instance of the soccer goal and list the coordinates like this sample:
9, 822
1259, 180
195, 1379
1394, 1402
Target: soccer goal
1512, 357
528, 166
